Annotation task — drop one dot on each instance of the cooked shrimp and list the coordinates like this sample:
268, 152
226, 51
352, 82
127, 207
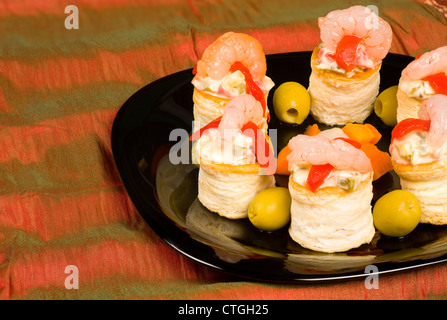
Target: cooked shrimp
244, 114
238, 112
319, 150
229, 48
435, 110
429, 63
359, 21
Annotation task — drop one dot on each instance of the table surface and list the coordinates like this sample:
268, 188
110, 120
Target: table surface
64, 213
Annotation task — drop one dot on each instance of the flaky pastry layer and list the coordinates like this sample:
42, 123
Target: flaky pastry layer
331, 219
228, 190
428, 182
337, 99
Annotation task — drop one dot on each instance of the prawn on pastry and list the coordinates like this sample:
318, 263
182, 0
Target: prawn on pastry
234, 64
331, 190
422, 78
345, 77
419, 156
235, 157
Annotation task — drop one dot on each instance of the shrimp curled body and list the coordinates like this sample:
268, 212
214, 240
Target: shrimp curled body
319, 150
231, 47
238, 112
429, 63
435, 110
360, 21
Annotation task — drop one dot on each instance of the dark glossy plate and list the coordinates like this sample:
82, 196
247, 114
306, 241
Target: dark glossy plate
165, 194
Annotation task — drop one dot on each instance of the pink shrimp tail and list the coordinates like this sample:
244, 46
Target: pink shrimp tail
229, 48
427, 64
360, 21
318, 150
239, 111
435, 110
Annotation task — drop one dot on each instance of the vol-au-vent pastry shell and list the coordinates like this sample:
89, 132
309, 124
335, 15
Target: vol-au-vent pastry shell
228, 189
428, 182
331, 219
337, 99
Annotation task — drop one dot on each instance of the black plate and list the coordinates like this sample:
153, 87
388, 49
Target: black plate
165, 194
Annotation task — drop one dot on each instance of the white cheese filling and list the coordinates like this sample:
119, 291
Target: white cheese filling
413, 149
237, 151
345, 179
232, 85
326, 61
419, 89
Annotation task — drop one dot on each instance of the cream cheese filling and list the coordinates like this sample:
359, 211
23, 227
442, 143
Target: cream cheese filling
232, 85
236, 151
345, 179
326, 61
413, 149
419, 89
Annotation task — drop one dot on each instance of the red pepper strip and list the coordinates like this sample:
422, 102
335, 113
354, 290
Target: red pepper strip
194, 70
251, 130
408, 125
438, 82
317, 175
417, 56
346, 52
331, 55
213, 124
354, 143
250, 84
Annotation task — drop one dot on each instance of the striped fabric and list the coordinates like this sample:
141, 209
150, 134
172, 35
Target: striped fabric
61, 200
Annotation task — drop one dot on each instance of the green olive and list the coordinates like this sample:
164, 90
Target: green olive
385, 106
397, 213
270, 209
291, 102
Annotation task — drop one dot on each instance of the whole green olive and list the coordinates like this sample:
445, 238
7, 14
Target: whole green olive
270, 209
291, 102
397, 213
385, 106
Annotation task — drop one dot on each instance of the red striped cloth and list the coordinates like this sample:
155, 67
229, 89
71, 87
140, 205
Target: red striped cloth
61, 199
